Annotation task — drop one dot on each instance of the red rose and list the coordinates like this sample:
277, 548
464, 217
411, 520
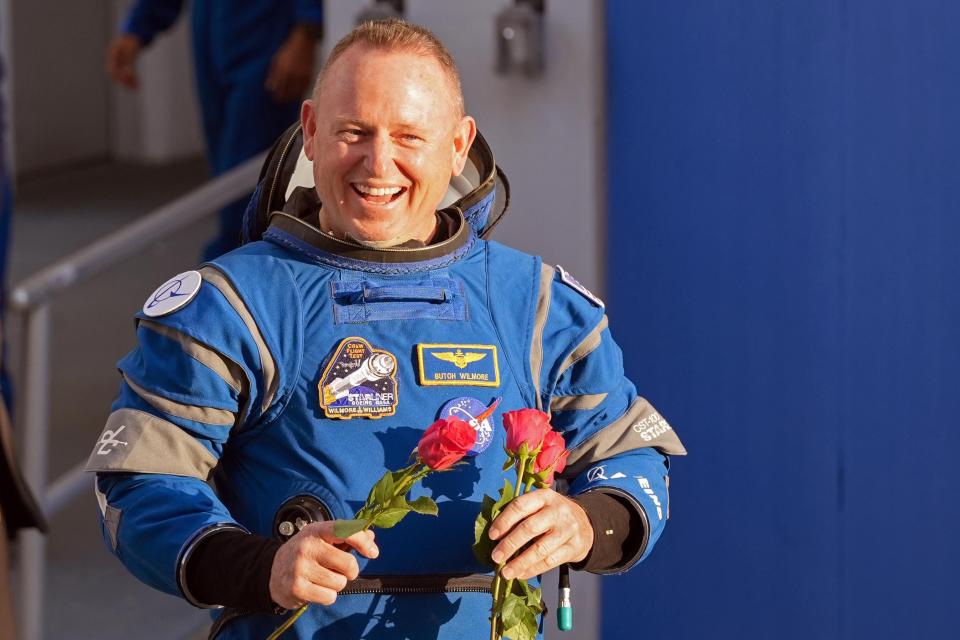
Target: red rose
445, 442
553, 454
525, 425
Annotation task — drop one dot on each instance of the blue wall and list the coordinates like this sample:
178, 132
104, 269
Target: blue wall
784, 182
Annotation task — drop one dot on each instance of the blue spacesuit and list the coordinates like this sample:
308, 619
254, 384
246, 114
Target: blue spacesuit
302, 366
233, 45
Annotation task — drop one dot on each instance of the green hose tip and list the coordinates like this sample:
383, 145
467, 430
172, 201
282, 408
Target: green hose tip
565, 618
564, 608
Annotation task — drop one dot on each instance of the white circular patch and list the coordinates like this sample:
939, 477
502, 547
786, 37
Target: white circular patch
173, 294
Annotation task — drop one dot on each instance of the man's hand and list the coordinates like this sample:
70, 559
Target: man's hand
310, 567
291, 69
559, 527
122, 57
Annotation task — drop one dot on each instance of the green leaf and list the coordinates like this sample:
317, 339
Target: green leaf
482, 544
401, 476
423, 505
506, 495
519, 619
508, 464
535, 599
390, 517
532, 596
511, 613
382, 492
346, 528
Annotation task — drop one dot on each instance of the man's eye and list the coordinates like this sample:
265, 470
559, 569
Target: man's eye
410, 137
351, 134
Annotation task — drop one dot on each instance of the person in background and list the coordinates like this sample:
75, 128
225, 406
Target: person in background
254, 62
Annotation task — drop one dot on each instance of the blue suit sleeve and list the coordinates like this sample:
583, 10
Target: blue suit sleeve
148, 18
618, 443
195, 378
308, 11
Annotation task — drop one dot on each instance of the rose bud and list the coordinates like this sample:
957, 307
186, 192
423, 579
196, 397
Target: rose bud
445, 442
525, 426
553, 454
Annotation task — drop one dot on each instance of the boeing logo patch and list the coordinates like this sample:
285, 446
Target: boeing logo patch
597, 473
359, 382
173, 294
458, 365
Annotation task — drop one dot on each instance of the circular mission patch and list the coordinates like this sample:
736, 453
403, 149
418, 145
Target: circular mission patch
173, 294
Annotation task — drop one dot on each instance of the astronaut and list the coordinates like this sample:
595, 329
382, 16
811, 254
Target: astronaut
238, 380
253, 61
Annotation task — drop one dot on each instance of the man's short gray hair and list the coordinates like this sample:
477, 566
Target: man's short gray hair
398, 35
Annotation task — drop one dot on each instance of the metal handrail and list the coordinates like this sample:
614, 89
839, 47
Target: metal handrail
32, 299
129, 240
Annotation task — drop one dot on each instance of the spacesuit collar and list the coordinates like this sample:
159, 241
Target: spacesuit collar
293, 229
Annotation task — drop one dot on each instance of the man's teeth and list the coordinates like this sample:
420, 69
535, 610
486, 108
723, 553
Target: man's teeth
381, 191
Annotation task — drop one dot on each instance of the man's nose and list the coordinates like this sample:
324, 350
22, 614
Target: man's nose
380, 155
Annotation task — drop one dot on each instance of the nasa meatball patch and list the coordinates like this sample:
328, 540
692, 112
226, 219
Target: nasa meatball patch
477, 415
173, 294
359, 382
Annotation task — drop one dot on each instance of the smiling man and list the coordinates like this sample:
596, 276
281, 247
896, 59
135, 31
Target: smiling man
296, 370
385, 131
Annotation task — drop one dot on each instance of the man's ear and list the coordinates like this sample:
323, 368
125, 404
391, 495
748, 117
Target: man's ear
463, 137
308, 122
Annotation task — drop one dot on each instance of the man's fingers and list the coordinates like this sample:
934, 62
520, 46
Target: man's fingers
321, 576
516, 511
310, 568
543, 555
528, 529
536, 569
362, 541
326, 555
305, 591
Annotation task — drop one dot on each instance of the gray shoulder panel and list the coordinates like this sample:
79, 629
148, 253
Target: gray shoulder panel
136, 442
641, 426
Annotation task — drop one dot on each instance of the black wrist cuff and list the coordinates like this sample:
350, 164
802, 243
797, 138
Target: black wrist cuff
232, 568
619, 531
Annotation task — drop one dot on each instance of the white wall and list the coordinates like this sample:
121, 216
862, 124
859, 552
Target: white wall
65, 111
548, 136
161, 121
60, 102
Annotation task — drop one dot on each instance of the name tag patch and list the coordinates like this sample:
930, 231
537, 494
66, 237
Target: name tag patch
458, 365
359, 382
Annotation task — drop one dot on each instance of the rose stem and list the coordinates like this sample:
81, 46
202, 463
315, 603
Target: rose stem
494, 620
